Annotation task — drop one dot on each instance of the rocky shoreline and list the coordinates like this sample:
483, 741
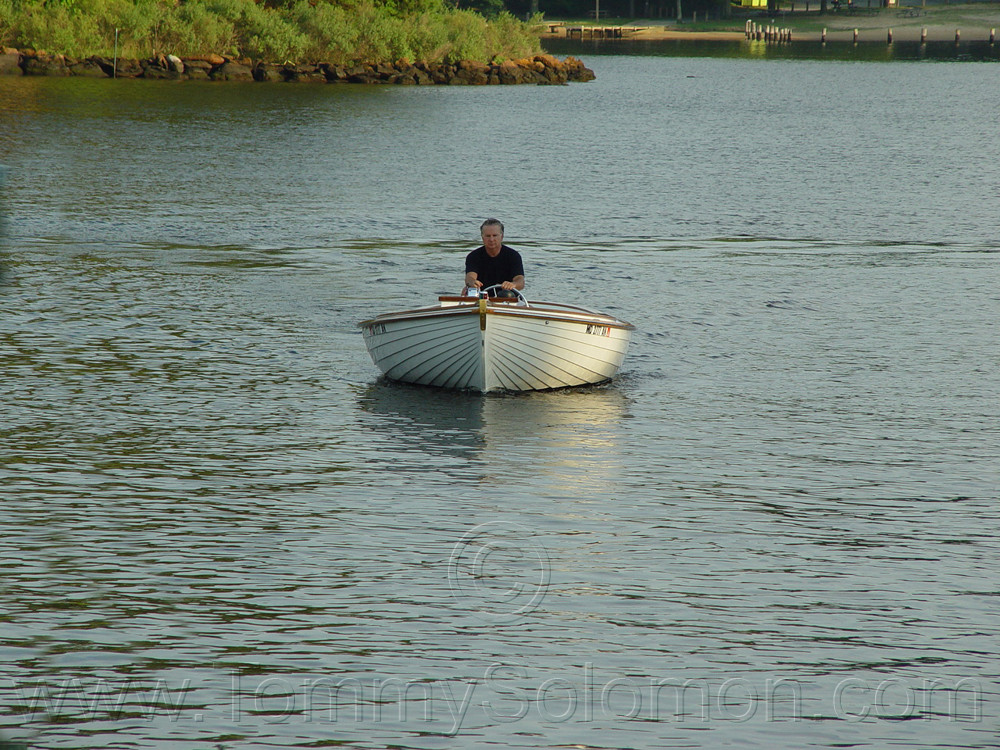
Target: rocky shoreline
540, 69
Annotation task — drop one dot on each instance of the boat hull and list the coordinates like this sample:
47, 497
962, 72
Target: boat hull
495, 346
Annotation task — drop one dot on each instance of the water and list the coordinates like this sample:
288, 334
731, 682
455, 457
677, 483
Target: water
806, 47
777, 528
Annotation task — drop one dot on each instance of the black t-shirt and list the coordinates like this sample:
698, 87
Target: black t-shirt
504, 267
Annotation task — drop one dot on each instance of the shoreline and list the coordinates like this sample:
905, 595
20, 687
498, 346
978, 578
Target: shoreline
542, 69
904, 24
899, 34
967, 24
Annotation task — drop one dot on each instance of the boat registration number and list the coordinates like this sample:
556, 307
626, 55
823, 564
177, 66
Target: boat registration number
599, 330
376, 328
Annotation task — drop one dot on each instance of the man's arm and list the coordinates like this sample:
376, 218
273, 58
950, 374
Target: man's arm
516, 283
472, 280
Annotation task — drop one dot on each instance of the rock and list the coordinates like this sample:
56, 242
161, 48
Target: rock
105, 64
303, 74
156, 73
440, 73
231, 71
576, 71
511, 73
196, 69
89, 68
472, 72
212, 60
43, 64
158, 68
533, 70
334, 73
553, 70
540, 69
10, 62
122, 68
362, 74
268, 72
407, 74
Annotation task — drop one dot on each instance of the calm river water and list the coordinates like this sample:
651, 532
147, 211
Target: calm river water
778, 528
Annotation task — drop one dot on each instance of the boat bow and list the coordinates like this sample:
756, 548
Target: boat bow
497, 344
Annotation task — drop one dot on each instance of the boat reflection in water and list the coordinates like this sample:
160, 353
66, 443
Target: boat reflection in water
570, 438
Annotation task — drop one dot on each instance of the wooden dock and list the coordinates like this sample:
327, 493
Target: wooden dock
601, 32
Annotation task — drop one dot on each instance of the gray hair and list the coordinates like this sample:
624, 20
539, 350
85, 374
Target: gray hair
491, 223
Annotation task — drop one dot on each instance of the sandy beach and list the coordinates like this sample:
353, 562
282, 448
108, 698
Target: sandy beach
907, 24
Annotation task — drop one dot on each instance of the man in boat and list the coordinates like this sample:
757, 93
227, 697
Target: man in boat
494, 262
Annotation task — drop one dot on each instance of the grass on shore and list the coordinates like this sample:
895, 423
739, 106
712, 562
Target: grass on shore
296, 31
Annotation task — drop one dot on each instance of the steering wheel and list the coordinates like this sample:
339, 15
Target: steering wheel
521, 300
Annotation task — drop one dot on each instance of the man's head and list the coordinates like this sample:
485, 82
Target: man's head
492, 232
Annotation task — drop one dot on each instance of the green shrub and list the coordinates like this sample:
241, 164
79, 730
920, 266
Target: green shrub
264, 34
297, 30
509, 38
415, 7
466, 37
141, 25
330, 30
195, 29
429, 37
7, 28
54, 28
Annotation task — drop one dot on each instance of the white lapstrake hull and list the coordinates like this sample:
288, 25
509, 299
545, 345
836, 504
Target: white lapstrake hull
492, 345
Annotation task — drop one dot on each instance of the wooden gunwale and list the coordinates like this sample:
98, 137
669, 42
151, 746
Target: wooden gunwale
420, 312
594, 318
570, 314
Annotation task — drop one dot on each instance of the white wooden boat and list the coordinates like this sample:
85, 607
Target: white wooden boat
497, 344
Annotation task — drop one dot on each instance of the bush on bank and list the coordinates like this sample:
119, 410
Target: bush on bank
353, 31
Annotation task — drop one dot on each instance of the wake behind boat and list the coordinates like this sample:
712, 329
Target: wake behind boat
496, 344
